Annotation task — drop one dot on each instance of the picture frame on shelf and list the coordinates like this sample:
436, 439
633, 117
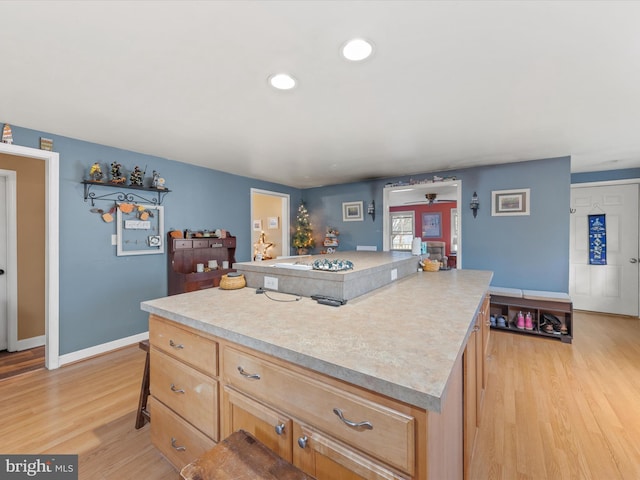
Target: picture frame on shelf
352, 212
510, 202
432, 225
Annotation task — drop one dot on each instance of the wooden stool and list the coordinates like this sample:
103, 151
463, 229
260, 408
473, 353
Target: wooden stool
240, 455
143, 414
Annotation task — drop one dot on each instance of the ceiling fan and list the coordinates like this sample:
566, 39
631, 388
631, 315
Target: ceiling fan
430, 200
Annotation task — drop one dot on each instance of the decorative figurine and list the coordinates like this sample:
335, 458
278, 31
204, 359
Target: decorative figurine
95, 173
136, 176
7, 136
154, 181
116, 176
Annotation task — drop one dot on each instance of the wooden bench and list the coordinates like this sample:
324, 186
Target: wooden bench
238, 456
509, 301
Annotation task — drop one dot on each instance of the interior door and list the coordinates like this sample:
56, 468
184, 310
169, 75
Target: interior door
610, 288
3, 265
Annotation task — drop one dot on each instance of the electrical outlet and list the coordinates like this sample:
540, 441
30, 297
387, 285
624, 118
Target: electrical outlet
271, 283
394, 274
114, 239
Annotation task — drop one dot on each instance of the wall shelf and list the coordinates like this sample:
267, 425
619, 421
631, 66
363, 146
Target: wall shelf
150, 195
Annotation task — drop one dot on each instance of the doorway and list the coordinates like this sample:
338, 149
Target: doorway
269, 224
414, 194
8, 263
51, 233
611, 284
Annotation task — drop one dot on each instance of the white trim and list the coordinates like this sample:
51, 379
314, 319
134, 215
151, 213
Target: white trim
284, 213
12, 259
52, 259
103, 348
606, 182
32, 342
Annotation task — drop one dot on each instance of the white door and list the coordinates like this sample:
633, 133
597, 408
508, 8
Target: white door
610, 288
3, 264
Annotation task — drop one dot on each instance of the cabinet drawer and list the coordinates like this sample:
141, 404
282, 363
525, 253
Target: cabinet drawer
201, 244
390, 439
189, 393
182, 244
193, 349
179, 441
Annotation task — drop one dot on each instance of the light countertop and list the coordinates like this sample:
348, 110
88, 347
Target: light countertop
401, 340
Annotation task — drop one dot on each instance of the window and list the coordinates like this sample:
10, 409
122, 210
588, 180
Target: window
402, 230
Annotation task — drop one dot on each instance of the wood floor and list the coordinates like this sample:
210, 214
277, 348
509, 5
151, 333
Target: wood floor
17, 363
551, 411
556, 411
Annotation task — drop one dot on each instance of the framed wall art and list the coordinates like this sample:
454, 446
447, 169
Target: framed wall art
140, 230
510, 202
432, 225
352, 212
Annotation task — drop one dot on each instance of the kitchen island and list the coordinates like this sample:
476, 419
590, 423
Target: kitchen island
374, 387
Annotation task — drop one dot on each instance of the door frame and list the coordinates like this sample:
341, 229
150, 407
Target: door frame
284, 213
609, 183
52, 259
12, 258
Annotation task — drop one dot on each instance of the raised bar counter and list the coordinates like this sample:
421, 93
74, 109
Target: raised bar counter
401, 340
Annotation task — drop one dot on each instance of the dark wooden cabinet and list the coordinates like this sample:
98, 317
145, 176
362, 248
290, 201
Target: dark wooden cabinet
185, 253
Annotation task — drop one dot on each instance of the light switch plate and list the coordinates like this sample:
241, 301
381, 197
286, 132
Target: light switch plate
394, 274
270, 283
114, 239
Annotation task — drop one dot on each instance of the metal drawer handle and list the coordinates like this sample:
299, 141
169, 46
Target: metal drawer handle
173, 444
252, 376
302, 441
177, 346
365, 425
279, 429
176, 390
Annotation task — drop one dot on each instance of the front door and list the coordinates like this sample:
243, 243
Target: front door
613, 287
3, 264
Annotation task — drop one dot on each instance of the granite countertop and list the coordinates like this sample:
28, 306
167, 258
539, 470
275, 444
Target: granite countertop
401, 340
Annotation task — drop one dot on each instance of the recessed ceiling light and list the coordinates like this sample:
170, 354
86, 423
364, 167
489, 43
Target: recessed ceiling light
282, 81
357, 49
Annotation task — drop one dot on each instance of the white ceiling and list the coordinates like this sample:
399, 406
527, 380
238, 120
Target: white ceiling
450, 85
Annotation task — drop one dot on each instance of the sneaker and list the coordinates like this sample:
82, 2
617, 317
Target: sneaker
528, 322
520, 321
502, 322
492, 320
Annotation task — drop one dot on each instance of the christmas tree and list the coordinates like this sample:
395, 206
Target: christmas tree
303, 238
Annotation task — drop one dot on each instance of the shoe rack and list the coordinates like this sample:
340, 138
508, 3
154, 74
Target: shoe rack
510, 308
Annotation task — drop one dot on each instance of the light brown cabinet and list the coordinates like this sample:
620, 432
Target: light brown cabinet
184, 391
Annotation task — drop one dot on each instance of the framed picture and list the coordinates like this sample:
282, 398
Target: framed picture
432, 225
257, 225
273, 223
510, 202
140, 231
352, 212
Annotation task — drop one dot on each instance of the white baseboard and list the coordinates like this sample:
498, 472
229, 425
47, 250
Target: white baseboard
28, 343
103, 348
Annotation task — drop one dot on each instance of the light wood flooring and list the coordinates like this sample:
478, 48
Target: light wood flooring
551, 411
557, 411
16, 363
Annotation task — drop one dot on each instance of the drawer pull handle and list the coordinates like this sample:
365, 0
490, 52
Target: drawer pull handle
177, 346
173, 444
280, 429
252, 376
176, 390
302, 441
363, 425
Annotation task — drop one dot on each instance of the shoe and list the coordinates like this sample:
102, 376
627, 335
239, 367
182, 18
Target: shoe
520, 321
502, 322
492, 320
528, 322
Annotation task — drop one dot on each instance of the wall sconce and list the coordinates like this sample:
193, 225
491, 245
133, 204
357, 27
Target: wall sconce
475, 204
371, 210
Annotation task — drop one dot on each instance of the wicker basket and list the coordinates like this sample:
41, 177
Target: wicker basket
431, 266
232, 283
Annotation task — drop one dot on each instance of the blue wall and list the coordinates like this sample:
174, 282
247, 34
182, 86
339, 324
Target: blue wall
606, 175
100, 293
528, 252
